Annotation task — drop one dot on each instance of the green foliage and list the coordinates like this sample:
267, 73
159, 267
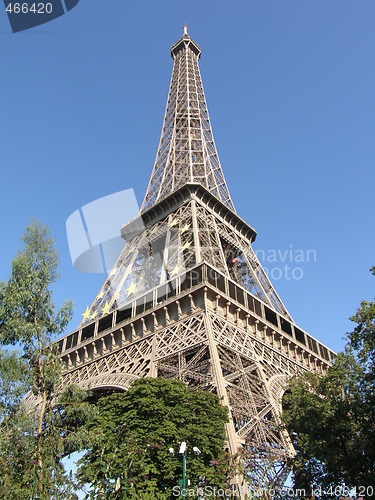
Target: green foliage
132, 434
31, 443
331, 418
19, 448
328, 420
69, 417
27, 316
362, 339
26, 304
14, 381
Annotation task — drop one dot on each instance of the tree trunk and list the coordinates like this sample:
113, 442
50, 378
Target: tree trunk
40, 422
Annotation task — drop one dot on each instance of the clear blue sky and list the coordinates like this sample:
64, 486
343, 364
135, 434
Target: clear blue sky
290, 91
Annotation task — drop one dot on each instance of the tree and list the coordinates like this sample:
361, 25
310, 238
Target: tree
29, 322
134, 430
362, 338
331, 417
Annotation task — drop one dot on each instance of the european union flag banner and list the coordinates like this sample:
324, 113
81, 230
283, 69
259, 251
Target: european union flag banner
26, 14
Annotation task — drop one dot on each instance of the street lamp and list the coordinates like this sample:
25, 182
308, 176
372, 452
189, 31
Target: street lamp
183, 453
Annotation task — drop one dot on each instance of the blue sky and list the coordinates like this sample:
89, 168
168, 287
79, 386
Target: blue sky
290, 92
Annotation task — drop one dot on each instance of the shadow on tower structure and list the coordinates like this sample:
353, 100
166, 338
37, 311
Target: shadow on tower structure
188, 298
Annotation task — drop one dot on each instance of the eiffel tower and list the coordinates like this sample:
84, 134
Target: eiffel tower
188, 298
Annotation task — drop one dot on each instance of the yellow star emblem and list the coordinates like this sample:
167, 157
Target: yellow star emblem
86, 314
131, 288
154, 230
173, 223
185, 228
94, 315
105, 309
100, 295
186, 245
175, 271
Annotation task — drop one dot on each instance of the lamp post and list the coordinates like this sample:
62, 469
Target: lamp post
184, 475
184, 456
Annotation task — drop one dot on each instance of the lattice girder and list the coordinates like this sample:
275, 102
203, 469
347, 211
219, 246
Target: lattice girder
188, 298
192, 233
174, 339
187, 151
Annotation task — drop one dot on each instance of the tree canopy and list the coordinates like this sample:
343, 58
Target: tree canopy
362, 338
134, 431
331, 418
30, 439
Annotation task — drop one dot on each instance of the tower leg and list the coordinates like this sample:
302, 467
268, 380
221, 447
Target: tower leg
233, 442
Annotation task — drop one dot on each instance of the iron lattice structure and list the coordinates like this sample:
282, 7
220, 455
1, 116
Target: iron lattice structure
188, 297
187, 151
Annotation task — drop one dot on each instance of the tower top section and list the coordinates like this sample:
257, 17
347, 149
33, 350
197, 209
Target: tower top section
185, 42
186, 152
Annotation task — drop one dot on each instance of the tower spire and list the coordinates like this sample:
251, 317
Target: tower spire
187, 151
